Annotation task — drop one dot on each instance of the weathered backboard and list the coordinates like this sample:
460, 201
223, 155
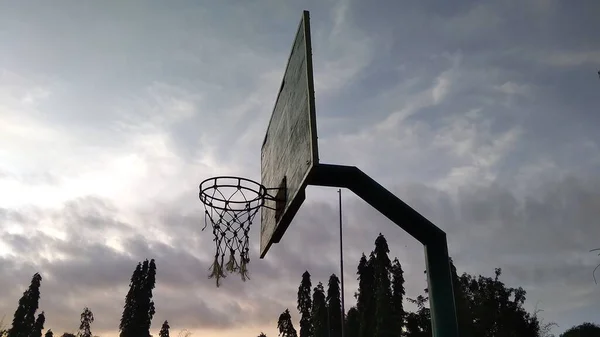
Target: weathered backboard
289, 152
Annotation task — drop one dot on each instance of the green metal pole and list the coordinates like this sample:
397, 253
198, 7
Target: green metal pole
441, 294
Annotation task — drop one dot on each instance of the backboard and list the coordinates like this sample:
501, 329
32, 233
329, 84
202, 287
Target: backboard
289, 152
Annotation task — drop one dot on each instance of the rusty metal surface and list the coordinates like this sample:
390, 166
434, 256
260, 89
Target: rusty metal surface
289, 150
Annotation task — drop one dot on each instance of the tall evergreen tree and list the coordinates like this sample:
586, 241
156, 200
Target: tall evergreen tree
352, 328
285, 326
24, 317
319, 312
334, 307
49, 333
38, 326
365, 303
85, 326
147, 309
164, 329
305, 305
139, 307
398, 293
384, 323
127, 325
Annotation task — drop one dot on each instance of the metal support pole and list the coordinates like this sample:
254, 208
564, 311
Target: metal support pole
342, 263
439, 277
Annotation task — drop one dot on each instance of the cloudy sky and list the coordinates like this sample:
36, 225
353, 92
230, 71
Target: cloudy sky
482, 115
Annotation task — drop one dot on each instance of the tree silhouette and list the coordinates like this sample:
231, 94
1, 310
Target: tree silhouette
49, 333
285, 326
352, 323
305, 305
24, 317
583, 330
365, 301
127, 324
164, 329
319, 312
334, 307
398, 293
418, 324
38, 326
139, 307
384, 324
85, 328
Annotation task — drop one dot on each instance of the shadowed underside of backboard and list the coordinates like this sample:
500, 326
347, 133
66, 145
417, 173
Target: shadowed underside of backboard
289, 151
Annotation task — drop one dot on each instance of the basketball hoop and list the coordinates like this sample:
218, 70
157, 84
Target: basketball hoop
230, 204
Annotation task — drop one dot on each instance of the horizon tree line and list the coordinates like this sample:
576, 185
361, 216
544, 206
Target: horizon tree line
485, 307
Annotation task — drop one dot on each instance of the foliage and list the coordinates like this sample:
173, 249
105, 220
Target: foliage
352, 328
164, 329
24, 317
305, 305
86, 319
384, 323
497, 310
49, 333
262, 334
334, 307
365, 302
319, 312
184, 333
68, 334
398, 293
3, 330
583, 330
38, 326
285, 326
418, 324
139, 307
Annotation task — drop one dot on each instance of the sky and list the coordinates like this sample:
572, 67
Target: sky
481, 115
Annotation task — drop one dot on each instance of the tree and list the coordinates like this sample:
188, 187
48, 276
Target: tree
365, 304
38, 326
319, 312
147, 310
352, 323
87, 318
384, 323
418, 324
139, 307
583, 330
262, 334
127, 324
305, 305
463, 313
164, 329
485, 307
497, 310
398, 293
68, 334
334, 307
285, 326
24, 317
49, 333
